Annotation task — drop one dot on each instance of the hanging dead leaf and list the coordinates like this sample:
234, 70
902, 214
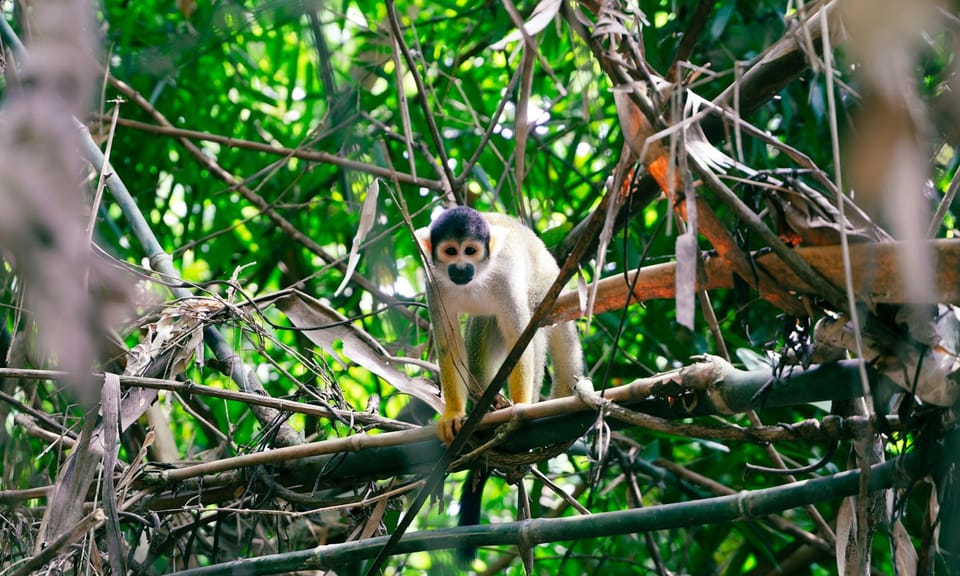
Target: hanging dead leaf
848, 558
368, 214
542, 15
637, 133
686, 247
905, 555
327, 328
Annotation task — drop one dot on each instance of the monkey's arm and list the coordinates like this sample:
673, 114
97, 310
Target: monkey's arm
567, 354
518, 297
450, 351
522, 379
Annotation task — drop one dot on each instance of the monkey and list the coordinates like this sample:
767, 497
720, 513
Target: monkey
496, 270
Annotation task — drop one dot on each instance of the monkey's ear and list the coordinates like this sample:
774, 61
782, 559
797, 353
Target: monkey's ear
498, 238
423, 238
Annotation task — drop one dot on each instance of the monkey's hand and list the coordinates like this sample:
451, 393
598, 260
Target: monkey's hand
449, 425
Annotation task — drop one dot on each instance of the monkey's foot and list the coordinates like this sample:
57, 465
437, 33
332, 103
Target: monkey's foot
449, 426
501, 402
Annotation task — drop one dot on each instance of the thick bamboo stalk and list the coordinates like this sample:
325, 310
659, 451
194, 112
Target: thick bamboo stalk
876, 276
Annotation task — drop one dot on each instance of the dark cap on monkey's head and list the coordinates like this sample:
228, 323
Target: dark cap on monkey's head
458, 224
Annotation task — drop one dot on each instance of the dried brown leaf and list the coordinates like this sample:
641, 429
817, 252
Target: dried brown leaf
905, 555
848, 557
686, 248
368, 214
327, 328
542, 15
109, 437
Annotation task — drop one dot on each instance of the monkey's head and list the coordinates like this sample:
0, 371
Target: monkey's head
458, 243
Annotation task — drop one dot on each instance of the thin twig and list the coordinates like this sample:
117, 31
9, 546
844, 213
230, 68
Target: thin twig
530, 44
78, 531
101, 179
404, 106
300, 153
258, 201
559, 491
445, 169
488, 133
862, 502
689, 40
190, 388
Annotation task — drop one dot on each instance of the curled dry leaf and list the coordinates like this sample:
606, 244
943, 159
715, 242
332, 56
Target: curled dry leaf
176, 337
165, 351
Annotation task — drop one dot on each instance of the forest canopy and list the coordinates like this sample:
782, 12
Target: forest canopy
217, 354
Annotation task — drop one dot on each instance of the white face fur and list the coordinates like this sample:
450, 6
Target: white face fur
457, 242
458, 253
460, 260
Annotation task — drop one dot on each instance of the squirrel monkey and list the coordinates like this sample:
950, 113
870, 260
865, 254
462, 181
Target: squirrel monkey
496, 270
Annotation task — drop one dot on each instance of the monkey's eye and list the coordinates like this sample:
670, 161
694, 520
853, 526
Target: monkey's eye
450, 251
473, 249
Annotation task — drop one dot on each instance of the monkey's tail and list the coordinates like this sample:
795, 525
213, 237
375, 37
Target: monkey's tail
470, 503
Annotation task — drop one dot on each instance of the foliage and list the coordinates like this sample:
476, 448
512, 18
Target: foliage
252, 137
